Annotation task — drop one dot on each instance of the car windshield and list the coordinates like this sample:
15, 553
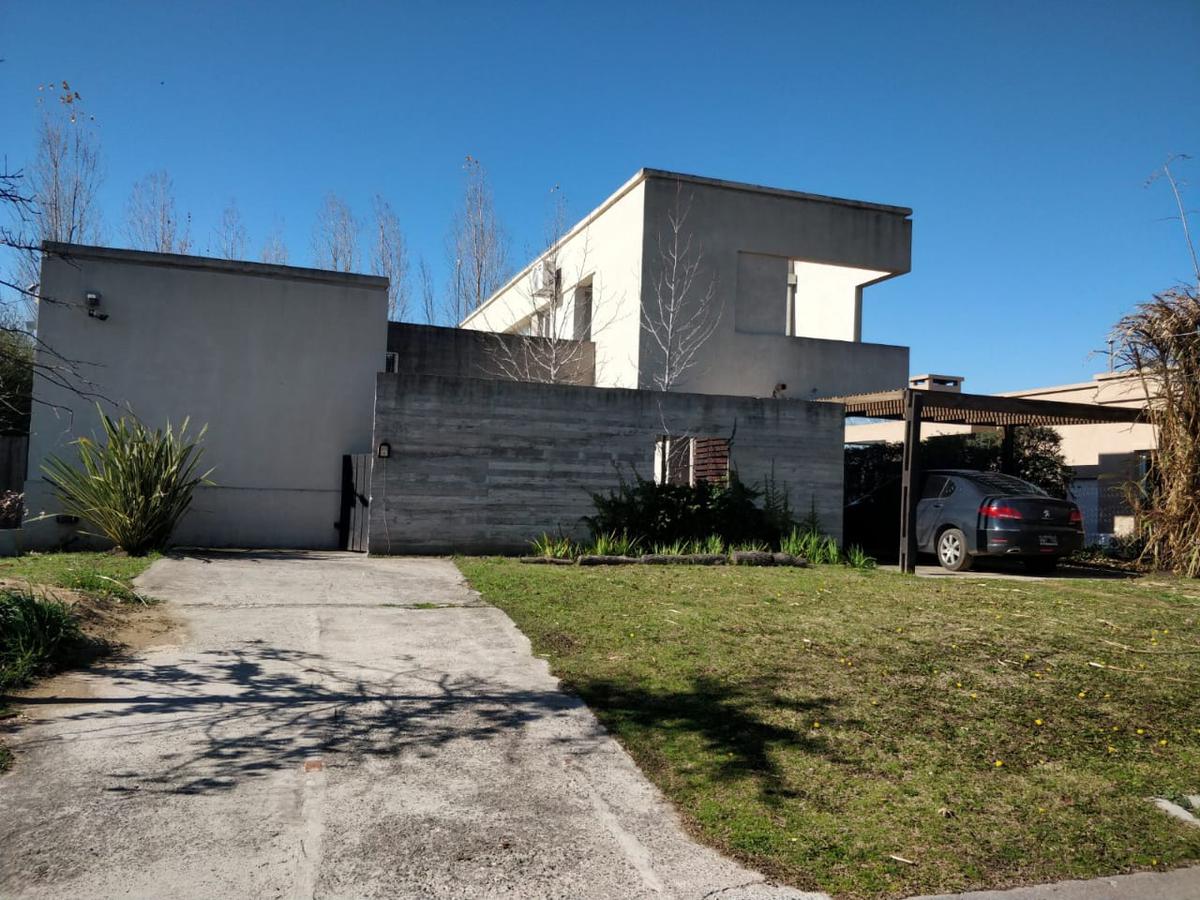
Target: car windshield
1006, 484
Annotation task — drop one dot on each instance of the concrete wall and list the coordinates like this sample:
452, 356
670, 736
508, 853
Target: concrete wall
453, 352
605, 250
749, 237
279, 362
484, 466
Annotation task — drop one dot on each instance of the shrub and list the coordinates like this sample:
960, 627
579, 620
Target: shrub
135, 487
858, 558
553, 547
36, 635
613, 543
661, 514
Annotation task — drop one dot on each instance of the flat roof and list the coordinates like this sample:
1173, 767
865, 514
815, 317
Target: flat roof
212, 264
764, 189
948, 407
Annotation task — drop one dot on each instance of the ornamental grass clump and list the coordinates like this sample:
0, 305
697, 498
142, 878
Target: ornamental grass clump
1160, 343
133, 488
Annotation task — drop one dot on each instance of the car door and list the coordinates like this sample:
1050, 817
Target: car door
929, 510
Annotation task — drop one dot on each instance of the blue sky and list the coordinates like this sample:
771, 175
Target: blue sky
1020, 133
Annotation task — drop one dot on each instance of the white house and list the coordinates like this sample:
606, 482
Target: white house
767, 285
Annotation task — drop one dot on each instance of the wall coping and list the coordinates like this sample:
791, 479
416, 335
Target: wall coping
212, 264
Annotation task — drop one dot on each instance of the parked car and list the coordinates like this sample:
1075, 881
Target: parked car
964, 514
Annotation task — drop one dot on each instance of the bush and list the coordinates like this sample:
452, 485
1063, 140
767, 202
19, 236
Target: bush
613, 543
36, 635
704, 514
554, 547
135, 487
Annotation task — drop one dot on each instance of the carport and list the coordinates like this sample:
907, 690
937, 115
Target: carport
915, 406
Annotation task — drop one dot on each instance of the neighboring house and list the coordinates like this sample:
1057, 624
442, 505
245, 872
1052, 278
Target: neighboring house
773, 280
1105, 457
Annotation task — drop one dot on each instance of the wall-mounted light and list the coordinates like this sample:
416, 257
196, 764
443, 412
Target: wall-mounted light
777, 391
385, 450
92, 300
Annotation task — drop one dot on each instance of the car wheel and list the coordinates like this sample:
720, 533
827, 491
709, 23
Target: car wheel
952, 550
1042, 564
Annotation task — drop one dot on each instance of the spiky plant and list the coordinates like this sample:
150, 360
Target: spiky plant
1160, 342
133, 488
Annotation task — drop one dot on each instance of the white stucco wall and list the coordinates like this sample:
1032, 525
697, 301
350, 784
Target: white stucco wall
279, 362
606, 246
748, 237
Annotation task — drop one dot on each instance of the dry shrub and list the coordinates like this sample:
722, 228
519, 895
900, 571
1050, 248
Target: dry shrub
1160, 341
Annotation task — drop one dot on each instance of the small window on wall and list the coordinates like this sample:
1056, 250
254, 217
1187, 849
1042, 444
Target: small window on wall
391, 362
689, 460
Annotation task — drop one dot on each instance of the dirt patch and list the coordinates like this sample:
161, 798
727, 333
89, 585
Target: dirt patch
114, 626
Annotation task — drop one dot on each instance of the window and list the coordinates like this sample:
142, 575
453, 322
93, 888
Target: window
933, 487
689, 460
391, 362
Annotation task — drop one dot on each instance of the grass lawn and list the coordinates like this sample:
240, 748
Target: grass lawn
874, 735
106, 574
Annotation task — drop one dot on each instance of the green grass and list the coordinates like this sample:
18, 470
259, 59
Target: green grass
815, 723
105, 574
37, 635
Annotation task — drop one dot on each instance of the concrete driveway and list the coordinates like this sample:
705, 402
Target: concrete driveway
334, 726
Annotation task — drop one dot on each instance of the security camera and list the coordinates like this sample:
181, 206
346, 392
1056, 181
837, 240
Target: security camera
778, 389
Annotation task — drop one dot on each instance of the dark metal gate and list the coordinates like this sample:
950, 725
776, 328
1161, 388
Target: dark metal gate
356, 498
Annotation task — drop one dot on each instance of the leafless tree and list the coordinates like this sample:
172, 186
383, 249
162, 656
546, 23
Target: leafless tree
230, 236
561, 308
335, 237
682, 314
152, 220
477, 245
274, 248
63, 183
389, 257
23, 355
428, 294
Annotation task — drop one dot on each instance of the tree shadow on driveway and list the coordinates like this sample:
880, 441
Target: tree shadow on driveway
223, 716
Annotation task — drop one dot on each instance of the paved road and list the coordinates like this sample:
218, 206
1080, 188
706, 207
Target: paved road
318, 733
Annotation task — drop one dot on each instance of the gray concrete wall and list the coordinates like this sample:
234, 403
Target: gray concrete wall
750, 351
454, 352
279, 362
481, 466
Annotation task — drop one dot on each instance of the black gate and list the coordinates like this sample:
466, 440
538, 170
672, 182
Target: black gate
356, 498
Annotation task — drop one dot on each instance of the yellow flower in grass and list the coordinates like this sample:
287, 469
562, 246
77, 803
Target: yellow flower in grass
998, 763
816, 725
1141, 731
1081, 694
1112, 749
1037, 721
1163, 742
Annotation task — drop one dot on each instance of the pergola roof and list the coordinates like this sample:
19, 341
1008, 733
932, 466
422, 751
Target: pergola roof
984, 409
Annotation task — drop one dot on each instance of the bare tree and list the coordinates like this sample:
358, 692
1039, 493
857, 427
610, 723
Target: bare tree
558, 302
335, 236
23, 355
389, 257
63, 183
152, 221
428, 294
477, 245
230, 234
274, 248
681, 314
